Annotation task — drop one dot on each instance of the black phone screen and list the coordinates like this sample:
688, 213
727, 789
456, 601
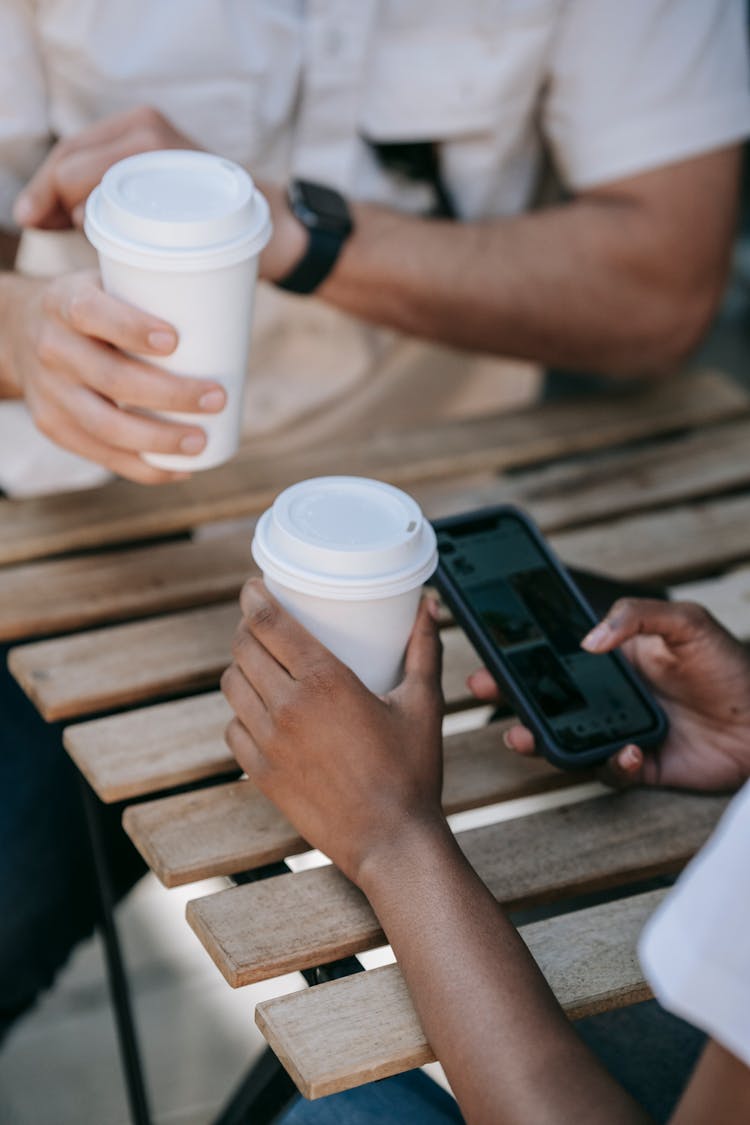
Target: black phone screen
537, 625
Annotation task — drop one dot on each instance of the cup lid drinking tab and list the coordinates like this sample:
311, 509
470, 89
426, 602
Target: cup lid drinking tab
345, 537
178, 206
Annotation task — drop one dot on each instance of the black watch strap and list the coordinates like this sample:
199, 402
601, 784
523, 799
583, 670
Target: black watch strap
324, 213
317, 262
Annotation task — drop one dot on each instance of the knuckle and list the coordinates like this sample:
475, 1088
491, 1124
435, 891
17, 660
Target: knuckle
47, 346
624, 607
321, 680
286, 715
82, 307
147, 115
695, 614
262, 617
239, 644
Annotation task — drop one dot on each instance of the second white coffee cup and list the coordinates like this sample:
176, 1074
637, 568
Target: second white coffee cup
178, 235
347, 556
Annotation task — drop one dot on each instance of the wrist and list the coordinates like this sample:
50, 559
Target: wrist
289, 240
417, 844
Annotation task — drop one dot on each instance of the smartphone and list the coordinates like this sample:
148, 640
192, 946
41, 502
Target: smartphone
526, 619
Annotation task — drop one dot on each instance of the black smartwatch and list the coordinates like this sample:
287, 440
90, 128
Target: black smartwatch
325, 214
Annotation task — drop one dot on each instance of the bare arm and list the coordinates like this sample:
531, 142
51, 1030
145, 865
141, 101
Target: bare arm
623, 279
508, 1050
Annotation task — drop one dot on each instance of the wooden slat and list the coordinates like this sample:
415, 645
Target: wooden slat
231, 828
122, 512
264, 929
363, 1028
608, 483
64, 594
75, 593
125, 664
678, 542
153, 748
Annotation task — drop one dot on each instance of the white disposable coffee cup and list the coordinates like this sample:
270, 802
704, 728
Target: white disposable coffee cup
347, 557
178, 235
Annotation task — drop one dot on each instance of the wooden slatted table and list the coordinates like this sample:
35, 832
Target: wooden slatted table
124, 633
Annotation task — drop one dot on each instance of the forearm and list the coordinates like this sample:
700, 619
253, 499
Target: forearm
508, 1050
545, 286
624, 279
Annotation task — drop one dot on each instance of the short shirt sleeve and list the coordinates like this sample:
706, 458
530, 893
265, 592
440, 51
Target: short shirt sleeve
634, 84
695, 950
24, 129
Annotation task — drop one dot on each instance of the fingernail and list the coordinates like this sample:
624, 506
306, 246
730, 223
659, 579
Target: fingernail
212, 400
162, 341
630, 756
23, 209
508, 740
192, 443
596, 638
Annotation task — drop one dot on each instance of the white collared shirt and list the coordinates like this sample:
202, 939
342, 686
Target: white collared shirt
301, 87
695, 950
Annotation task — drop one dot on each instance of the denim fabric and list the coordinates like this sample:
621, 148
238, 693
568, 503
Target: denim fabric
411, 1097
47, 891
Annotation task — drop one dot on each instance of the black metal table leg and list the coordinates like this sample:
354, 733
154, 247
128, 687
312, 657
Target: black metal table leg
118, 984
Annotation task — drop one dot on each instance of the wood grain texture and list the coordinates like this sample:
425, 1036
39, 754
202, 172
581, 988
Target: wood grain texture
231, 828
59, 595
608, 483
136, 752
665, 545
123, 512
364, 1027
122, 665
265, 929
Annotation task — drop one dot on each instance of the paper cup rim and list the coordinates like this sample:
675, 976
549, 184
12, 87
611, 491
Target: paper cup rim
173, 259
343, 587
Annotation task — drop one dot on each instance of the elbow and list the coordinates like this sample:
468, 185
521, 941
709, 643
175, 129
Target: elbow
669, 328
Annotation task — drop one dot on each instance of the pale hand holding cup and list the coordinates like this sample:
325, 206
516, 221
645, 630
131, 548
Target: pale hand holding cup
60, 338
64, 348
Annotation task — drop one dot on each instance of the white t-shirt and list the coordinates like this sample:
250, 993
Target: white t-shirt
695, 950
292, 87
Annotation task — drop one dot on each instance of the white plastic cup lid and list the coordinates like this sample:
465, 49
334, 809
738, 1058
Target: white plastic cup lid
179, 206
345, 538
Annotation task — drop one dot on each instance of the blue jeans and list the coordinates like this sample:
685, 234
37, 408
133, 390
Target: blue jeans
48, 897
411, 1097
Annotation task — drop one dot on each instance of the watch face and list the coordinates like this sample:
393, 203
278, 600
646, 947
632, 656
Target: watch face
320, 207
